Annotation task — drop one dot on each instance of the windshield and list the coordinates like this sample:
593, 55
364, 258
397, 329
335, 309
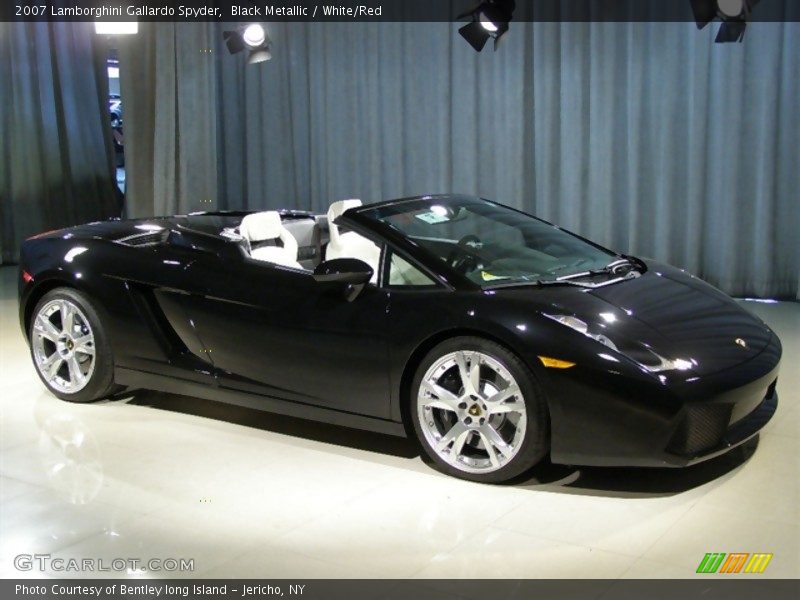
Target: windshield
491, 244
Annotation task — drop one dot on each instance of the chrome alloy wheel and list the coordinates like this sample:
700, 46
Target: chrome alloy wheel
63, 346
472, 411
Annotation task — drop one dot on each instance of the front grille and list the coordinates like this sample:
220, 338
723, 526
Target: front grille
702, 428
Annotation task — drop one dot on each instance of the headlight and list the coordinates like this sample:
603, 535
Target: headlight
581, 327
652, 362
667, 364
642, 355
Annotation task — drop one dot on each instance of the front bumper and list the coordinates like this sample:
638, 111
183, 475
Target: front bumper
605, 419
701, 439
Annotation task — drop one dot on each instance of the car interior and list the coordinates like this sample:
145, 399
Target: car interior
504, 251
302, 242
269, 240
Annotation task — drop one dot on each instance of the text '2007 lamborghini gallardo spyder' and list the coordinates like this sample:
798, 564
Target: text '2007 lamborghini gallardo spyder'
491, 336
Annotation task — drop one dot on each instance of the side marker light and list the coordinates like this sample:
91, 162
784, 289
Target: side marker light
554, 363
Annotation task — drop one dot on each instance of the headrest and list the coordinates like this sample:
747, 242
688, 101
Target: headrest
261, 226
337, 208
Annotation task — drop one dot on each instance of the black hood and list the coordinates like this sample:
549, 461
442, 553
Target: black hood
664, 312
693, 320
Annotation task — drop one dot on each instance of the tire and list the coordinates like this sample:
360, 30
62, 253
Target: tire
53, 347
459, 420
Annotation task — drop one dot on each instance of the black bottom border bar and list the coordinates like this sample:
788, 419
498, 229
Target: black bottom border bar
710, 587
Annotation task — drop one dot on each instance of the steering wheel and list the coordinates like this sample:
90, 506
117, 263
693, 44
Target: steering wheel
462, 258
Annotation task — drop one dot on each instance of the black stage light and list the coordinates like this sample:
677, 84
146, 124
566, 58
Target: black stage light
252, 37
733, 15
490, 19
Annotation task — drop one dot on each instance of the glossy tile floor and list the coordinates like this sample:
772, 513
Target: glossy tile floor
248, 494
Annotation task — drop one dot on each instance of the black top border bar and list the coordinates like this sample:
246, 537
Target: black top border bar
369, 10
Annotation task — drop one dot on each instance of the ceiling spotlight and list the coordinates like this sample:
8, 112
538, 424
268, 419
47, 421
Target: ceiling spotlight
109, 28
490, 19
259, 56
252, 37
733, 15
487, 24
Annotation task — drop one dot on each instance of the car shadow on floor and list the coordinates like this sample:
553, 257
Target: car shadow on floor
615, 482
634, 482
266, 421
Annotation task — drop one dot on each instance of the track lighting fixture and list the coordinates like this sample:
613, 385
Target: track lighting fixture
490, 19
253, 38
733, 15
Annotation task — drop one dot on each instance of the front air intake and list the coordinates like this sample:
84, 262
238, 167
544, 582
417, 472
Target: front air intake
702, 428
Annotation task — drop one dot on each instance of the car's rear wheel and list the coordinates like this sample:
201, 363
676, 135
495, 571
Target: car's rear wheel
69, 347
478, 411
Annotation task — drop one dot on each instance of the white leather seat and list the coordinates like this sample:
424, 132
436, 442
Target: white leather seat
265, 226
350, 244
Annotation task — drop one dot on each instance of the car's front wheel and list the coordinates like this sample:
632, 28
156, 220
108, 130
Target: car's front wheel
69, 347
478, 411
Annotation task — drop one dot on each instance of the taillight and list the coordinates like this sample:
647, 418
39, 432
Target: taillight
27, 277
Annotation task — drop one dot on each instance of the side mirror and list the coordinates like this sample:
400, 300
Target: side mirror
353, 273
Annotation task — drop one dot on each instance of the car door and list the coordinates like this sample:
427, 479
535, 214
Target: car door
275, 331
146, 301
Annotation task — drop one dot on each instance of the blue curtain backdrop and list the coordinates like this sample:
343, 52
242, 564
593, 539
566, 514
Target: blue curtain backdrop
56, 153
646, 137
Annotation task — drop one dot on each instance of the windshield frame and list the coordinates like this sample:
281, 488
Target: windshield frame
367, 216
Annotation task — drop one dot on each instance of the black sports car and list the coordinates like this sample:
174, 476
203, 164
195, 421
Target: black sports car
492, 336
